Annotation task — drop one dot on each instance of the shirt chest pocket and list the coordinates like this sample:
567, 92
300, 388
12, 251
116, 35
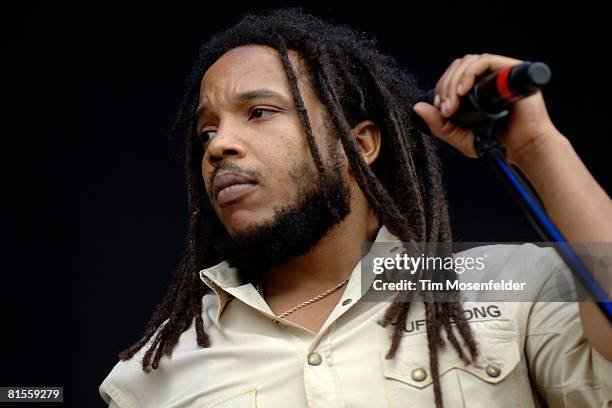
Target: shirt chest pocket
493, 380
246, 399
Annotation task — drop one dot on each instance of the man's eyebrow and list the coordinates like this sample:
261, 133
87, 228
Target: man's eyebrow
248, 96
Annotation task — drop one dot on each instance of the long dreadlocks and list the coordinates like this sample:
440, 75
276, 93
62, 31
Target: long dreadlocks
355, 82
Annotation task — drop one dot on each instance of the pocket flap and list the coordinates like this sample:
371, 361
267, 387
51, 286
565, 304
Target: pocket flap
244, 400
498, 356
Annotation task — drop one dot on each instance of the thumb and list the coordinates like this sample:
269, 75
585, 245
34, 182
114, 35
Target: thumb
461, 139
431, 115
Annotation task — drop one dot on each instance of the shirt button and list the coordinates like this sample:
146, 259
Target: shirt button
346, 302
314, 359
418, 374
492, 371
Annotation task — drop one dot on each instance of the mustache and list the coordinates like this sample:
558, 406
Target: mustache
231, 167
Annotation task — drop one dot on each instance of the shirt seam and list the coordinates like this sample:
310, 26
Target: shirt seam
119, 397
590, 382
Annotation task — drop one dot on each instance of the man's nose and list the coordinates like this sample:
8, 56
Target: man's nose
226, 143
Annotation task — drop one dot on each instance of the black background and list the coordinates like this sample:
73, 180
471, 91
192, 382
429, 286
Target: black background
93, 208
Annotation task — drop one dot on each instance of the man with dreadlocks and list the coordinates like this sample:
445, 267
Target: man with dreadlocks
299, 147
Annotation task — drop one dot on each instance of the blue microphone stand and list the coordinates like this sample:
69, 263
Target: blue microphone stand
491, 151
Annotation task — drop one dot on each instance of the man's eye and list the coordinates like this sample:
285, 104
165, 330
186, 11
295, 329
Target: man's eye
259, 113
207, 135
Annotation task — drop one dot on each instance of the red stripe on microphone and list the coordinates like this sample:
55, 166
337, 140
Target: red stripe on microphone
502, 84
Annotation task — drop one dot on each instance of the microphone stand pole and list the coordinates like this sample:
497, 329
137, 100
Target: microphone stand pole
492, 152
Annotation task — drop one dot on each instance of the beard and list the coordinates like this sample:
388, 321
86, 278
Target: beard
294, 229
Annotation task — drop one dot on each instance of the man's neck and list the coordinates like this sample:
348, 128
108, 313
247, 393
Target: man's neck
329, 262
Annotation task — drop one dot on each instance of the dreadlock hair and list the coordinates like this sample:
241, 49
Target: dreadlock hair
355, 82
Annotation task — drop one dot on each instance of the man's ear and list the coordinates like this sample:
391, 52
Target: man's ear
367, 136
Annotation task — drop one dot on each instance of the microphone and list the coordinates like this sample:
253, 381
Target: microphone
496, 92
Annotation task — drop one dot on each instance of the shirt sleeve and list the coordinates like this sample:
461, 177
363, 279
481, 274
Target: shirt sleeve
567, 370
115, 397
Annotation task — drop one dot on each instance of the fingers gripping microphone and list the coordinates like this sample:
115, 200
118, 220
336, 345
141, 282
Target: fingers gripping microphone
495, 93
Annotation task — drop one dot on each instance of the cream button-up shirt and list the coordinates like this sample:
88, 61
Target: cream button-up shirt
530, 352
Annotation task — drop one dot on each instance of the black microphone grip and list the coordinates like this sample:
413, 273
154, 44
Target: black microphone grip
495, 92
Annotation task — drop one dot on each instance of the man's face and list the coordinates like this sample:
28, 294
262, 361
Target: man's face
256, 159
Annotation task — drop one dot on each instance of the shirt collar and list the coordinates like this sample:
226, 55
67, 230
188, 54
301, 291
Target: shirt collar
225, 280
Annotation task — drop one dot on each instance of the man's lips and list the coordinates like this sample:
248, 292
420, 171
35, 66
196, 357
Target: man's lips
228, 187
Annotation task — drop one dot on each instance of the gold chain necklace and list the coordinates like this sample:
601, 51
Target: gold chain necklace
307, 302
